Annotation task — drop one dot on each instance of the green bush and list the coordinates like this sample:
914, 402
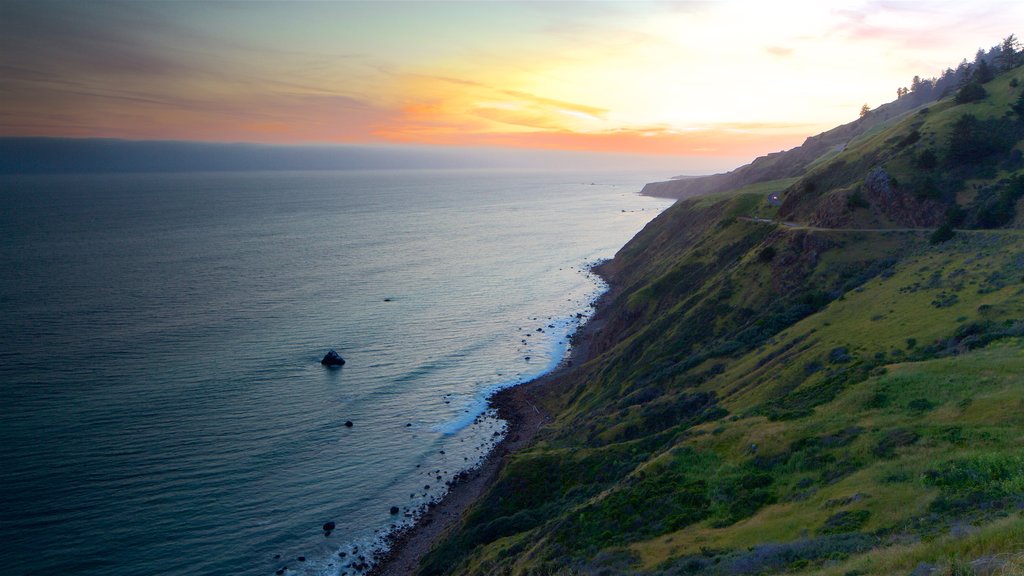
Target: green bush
978, 482
857, 200
893, 439
927, 159
970, 93
942, 234
845, 521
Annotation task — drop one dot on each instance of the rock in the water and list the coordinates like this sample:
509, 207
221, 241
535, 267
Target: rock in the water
348, 424
332, 358
394, 510
328, 526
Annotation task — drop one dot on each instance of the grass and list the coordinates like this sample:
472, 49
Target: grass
888, 493
759, 189
1001, 541
768, 399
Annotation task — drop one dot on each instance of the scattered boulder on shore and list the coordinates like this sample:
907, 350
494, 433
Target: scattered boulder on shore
332, 358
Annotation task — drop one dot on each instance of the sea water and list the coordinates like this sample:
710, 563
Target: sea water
162, 405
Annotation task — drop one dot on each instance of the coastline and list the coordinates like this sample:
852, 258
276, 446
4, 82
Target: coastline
519, 406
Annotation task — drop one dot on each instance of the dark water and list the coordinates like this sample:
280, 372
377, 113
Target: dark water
163, 406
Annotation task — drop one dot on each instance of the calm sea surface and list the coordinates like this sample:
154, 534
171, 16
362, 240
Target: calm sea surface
162, 405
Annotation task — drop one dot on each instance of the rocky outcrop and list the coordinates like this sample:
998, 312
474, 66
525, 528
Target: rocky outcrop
332, 358
900, 206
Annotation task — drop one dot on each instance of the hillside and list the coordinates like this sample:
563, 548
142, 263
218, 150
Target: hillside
792, 163
830, 386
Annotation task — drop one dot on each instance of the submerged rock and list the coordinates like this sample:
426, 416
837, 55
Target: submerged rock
394, 510
328, 526
348, 424
332, 358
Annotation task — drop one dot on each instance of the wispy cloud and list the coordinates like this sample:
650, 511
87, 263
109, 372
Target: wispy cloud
658, 78
780, 51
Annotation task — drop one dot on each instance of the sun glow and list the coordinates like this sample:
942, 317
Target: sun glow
717, 78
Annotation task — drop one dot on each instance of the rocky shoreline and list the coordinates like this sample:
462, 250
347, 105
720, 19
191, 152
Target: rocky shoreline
521, 407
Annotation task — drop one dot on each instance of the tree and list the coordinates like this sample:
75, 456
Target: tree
1019, 106
970, 141
1008, 52
983, 72
970, 92
864, 110
921, 88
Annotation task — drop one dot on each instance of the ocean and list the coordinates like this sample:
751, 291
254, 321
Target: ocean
164, 410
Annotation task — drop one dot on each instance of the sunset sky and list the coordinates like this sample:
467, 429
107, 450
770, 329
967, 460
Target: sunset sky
717, 80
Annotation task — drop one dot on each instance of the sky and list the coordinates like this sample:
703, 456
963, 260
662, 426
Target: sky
711, 84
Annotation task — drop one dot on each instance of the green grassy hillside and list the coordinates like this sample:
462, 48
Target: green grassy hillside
839, 391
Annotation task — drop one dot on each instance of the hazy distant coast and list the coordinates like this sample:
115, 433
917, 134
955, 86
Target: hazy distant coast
39, 155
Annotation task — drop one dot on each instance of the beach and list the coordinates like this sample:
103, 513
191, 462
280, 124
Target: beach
203, 380
521, 407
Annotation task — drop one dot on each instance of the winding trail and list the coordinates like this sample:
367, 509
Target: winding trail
797, 226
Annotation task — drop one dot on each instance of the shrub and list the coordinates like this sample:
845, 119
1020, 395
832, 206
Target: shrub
978, 482
920, 405
1018, 107
845, 521
927, 159
840, 355
893, 439
942, 234
912, 137
971, 93
856, 200
973, 141
996, 206
968, 141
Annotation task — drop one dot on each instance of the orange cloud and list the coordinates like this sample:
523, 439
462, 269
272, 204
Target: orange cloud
708, 142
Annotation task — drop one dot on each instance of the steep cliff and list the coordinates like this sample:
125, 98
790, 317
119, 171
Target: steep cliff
828, 386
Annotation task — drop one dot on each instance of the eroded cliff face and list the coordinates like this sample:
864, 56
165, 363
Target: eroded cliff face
899, 206
652, 254
799, 254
